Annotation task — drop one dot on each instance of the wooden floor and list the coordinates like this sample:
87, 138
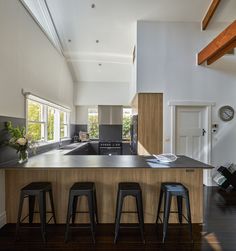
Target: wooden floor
217, 233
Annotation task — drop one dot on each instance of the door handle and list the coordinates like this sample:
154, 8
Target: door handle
203, 132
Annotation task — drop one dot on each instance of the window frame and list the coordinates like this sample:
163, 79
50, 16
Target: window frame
46, 105
64, 124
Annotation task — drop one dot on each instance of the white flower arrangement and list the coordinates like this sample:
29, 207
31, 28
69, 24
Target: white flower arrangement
20, 141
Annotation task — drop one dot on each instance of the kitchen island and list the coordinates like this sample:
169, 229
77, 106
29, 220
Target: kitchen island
106, 171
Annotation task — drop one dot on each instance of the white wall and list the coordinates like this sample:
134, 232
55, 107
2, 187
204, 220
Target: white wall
82, 115
167, 63
28, 60
105, 93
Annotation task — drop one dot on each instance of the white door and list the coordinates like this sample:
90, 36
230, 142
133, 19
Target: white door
191, 132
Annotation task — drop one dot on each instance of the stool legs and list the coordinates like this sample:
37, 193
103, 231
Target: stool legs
189, 215
31, 208
74, 206
52, 206
119, 205
168, 190
19, 214
140, 215
91, 215
118, 215
42, 213
159, 206
166, 214
69, 213
180, 208
95, 205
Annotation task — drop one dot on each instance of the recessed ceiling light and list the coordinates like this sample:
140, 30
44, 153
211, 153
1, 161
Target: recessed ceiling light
69, 40
100, 64
93, 6
97, 41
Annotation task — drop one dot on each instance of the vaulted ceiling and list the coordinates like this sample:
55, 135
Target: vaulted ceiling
98, 36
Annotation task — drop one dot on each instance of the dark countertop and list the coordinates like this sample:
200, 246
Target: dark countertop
57, 159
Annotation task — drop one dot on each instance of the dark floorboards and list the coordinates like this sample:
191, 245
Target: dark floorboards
216, 234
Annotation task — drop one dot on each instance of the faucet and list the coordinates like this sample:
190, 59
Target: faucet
60, 143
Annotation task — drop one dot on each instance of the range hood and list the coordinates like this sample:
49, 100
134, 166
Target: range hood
110, 123
110, 114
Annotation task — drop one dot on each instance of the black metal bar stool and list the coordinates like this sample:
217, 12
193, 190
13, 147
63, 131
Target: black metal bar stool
170, 189
129, 189
82, 189
32, 191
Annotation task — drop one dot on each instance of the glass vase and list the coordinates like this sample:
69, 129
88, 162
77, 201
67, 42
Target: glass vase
23, 156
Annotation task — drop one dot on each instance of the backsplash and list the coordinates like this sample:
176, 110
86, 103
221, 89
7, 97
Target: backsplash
82, 128
110, 132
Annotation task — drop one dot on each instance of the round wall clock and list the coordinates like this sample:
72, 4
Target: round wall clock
226, 113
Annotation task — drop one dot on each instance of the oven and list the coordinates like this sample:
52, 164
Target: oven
109, 148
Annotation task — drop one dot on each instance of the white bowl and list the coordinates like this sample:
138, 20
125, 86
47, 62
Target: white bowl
166, 157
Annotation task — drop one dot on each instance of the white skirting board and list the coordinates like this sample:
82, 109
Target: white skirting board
3, 219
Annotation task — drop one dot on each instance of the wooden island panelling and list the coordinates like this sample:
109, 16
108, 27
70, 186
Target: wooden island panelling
106, 180
149, 107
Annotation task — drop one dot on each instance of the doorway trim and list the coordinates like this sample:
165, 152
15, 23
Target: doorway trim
208, 106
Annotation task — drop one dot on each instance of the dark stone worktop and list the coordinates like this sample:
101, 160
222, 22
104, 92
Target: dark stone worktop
57, 159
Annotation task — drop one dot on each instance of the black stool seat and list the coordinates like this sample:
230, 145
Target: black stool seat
32, 191
36, 187
129, 189
169, 189
174, 188
82, 189
129, 186
83, 186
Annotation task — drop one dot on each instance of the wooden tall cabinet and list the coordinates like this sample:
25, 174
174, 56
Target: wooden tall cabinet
149, 107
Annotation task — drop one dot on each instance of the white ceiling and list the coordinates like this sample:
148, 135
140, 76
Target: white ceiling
112, 22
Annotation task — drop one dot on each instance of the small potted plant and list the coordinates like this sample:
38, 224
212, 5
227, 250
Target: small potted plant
20, 141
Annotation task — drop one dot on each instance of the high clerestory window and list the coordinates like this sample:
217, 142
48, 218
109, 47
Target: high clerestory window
46, 122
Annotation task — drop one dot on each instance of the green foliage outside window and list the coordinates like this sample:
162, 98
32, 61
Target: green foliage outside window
34, 114
50, 125
93, 128
126, 127
127, 114
42, 117
35, 131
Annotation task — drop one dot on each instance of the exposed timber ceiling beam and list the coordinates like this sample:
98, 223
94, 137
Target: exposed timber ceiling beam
221, 45
210, 12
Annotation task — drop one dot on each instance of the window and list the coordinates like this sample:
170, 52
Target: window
64, 124
93, 127
127, 114
36, 123
50, 123
46, 122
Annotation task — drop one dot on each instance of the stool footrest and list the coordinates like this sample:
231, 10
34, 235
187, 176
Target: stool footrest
36, 212
175, 212
81, 212
129, 212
